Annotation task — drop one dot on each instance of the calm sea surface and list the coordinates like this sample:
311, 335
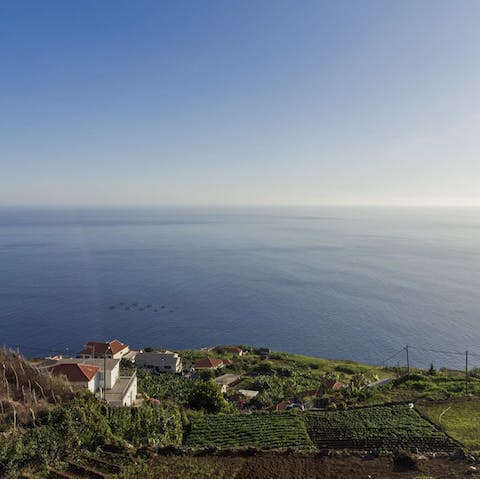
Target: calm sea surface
338, 283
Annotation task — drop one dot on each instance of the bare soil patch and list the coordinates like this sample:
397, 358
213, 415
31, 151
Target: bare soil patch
294, 465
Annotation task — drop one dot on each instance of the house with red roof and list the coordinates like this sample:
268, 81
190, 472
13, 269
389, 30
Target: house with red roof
233, 350
208, 363
82, 375
100, 376
113, 349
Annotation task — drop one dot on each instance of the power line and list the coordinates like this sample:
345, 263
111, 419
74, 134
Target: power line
393, 356
452, 353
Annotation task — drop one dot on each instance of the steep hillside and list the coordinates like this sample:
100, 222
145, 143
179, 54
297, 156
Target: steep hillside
25, 392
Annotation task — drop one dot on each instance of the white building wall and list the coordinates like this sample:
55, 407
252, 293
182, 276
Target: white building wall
165, 362
130, 394
121, 353
112, 376
93, 384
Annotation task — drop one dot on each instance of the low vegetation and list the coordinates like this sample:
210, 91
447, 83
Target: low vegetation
263, 430
44, 421
25, 392
85, 423
186, 467
459, 418
444, 384
387, 428
165, 387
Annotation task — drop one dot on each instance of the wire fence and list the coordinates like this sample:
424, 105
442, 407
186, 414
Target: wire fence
412, 356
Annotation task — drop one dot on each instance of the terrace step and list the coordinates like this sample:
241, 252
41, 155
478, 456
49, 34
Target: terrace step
85, 471
349, 444
56, 474
116, 458
100, 463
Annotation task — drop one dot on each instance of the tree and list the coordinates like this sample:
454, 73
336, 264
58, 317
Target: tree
207, 395
358, 387
327, 381
207, 374
265, 368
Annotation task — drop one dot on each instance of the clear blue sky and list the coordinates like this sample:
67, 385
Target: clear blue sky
239, 102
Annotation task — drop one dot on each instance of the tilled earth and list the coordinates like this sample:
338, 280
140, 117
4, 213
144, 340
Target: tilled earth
270, 466
275, 465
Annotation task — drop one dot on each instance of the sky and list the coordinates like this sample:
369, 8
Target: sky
233, 102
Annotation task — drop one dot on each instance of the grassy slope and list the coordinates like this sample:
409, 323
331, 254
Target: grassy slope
319, 366
308, 371
315, 366
461, 421
25, 392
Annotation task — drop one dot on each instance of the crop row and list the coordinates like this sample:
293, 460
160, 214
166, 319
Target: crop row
383, 426
268, 431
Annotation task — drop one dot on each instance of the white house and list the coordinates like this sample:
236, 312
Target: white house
162, 362
100, 376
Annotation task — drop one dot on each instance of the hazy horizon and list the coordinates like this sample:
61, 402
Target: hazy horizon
234, 206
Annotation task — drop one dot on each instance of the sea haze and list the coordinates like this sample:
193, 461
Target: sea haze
331, 282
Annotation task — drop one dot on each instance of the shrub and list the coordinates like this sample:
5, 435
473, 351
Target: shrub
161, 426
207, 395
264, 368
404, 461
345, 369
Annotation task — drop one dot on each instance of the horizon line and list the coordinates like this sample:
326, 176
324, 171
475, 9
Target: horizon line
235, 205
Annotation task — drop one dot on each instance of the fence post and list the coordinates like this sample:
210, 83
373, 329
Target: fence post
408, 359
466, 372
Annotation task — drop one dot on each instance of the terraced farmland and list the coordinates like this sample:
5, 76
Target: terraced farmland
386, 427
267, 431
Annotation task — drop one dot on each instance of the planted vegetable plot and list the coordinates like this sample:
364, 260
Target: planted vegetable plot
386, 427
267, 431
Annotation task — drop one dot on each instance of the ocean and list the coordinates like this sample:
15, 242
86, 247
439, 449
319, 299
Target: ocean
347, 283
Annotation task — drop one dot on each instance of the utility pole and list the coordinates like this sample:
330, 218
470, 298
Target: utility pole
408, 359
466, 372
104, 373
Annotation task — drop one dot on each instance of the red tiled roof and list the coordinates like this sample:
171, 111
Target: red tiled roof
110, 347
75, 372
228, 349
233, 350
208, 363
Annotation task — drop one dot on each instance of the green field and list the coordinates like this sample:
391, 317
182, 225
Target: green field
387, 427
267, 431
461, 420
